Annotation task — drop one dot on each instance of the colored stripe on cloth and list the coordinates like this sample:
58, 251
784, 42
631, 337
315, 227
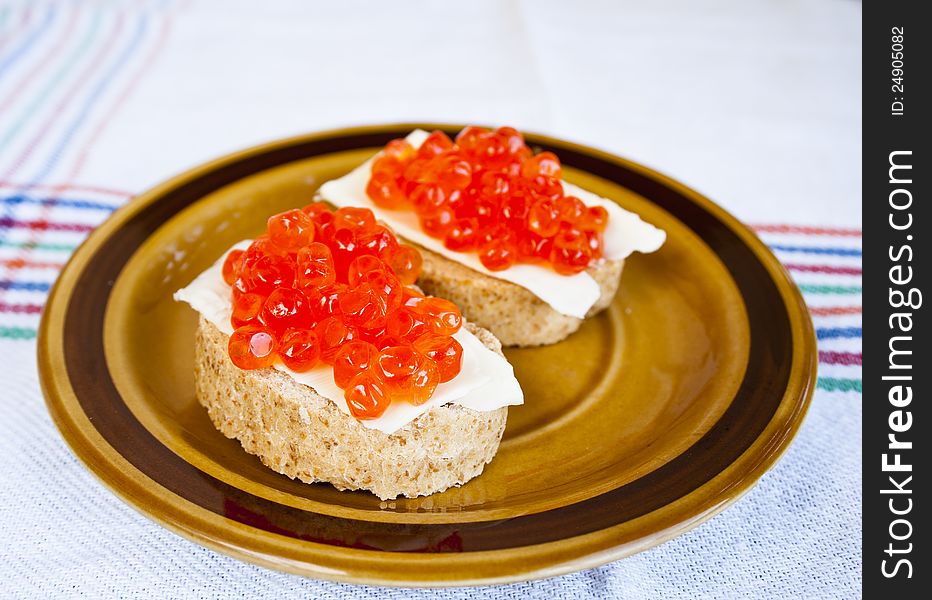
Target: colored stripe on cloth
96, 92
17, 333
31, 264
26, 309
7, 223
26, 286
830, 289
5, 28
97, 88
826, 269
832, 384
805, 230
817, 250
51, 86
156, 49
825, 262
63, 202
68, 187
840, 358
27, 42
834, 311
38, 68
56, 80
39, 246
831, 333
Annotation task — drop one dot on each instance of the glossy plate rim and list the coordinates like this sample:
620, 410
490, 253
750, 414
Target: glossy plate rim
355, 565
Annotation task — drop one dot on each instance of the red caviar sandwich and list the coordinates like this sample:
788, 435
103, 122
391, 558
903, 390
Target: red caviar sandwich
521, 251
318, 354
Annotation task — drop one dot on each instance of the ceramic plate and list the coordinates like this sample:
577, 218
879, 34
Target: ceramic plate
652, 418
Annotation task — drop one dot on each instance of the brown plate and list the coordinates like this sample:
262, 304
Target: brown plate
655, 416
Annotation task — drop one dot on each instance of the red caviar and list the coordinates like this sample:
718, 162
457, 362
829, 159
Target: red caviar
445, 351
252, 347
408, 373
352, 359
488, 193
331, 287
300, 349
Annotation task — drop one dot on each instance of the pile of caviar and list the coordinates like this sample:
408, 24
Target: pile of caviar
488, 193
333, 287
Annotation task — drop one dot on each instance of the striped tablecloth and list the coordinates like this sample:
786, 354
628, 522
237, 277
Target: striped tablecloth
68, 71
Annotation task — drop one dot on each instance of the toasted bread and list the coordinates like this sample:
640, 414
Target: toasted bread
299, 433
513, 314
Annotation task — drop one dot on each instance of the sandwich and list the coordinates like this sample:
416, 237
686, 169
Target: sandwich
316, 351
522, 252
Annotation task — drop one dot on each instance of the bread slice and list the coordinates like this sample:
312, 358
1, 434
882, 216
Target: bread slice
512, 313
295, 431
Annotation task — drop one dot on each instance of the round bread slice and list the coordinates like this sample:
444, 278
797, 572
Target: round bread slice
299, 433
512, 313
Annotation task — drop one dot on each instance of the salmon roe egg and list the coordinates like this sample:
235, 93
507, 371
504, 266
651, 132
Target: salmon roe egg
332, 334
286, 308
405, 262
406, 324
445, 351
408, 374
367, 396
252, 347
443, 316
291, 230
352, 359
230, 264
332, 287
299, 349
314, 266
398, 362
421, 385
246, 308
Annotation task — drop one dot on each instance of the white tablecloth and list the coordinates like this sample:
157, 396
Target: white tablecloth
756, 104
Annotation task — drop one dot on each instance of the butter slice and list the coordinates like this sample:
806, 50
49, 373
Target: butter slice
571, 295
486, 380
